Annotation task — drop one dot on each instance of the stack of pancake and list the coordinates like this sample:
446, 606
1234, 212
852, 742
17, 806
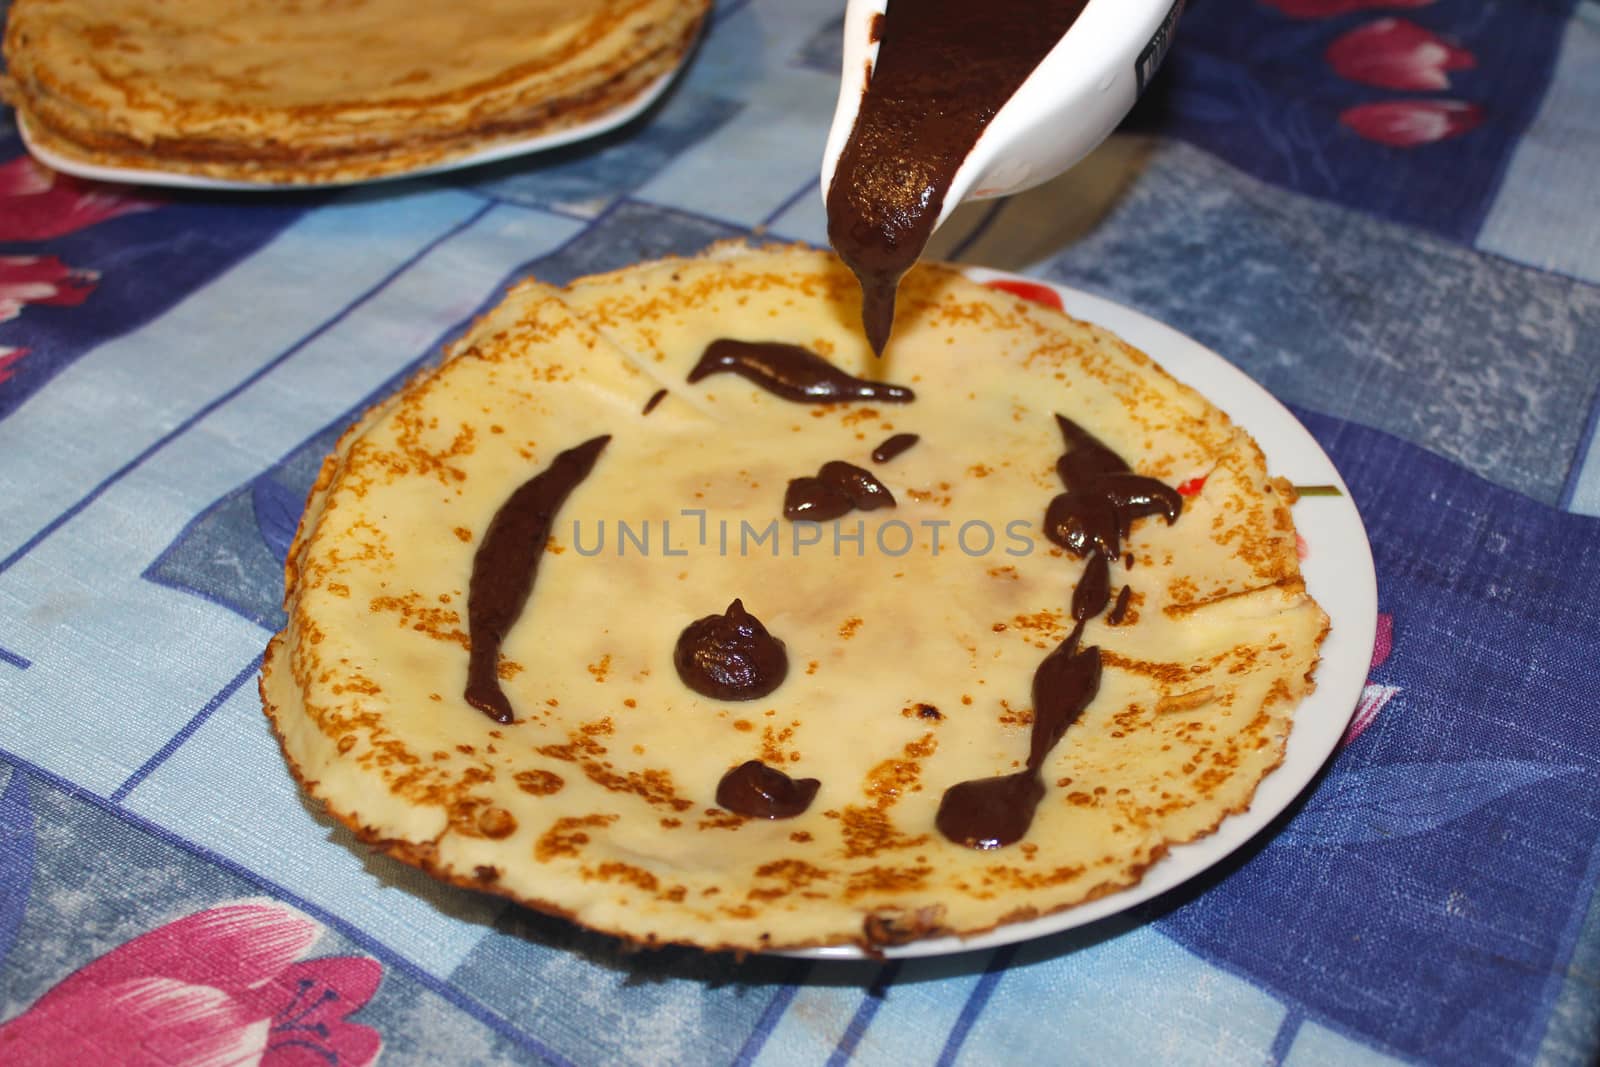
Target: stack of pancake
318, 92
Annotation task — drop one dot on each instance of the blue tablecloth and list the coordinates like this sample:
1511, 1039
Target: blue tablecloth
1385, 211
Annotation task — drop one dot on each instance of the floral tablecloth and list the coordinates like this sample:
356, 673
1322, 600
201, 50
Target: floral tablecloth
1385, 211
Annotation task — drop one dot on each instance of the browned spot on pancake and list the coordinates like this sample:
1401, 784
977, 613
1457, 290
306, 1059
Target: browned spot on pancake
790, 876
848, 628
463, 534
717, 819
855, 416
540, 783
1014, 878
627, 873
1016, 717
1047, 625
602, 668
416, 613
496, 823
773, 742
878, 879
940, 495
867, 831
1168, 673
567, 836
655, 787
354, 683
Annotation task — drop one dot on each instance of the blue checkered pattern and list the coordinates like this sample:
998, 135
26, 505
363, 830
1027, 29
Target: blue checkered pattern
1431, 312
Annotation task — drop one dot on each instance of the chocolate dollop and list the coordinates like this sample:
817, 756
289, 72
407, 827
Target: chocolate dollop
730, 656
836, 489
761, 792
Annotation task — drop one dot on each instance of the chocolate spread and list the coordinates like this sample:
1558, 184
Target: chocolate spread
944, 68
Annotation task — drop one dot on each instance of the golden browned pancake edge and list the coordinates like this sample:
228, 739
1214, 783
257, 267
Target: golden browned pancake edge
257, 92
597, 804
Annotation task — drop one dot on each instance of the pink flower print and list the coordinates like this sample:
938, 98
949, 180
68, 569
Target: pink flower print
1324, 9
9, 357
36, 203
1409, 123
41, 280
1396, 54
1374, 697
1383, 643
309, 1026
221, 986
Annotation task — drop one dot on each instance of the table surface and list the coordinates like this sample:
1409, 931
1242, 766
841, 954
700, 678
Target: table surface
1384, 211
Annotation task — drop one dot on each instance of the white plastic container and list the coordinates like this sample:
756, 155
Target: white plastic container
1069, 104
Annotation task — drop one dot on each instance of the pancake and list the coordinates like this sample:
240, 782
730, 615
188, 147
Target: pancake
927, 628
300, 93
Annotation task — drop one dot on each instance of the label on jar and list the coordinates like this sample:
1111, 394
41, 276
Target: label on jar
1149, 60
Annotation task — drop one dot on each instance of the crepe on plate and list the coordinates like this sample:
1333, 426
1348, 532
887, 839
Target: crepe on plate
282, 91
909, 668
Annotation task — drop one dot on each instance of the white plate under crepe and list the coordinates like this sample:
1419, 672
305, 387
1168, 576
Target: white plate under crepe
1338, 573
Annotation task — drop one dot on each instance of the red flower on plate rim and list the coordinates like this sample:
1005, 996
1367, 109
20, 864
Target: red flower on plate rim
1034, 291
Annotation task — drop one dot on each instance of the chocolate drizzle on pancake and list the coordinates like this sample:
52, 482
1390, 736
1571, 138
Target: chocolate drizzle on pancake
730, 656
1094, 589
992, 812
505, 564
1103, 498
753, 789
1120, 610
893, 447
943, 69
655, 398
835, 490
793, 373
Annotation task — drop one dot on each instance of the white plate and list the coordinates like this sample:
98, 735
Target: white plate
1338, 572
140, 176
